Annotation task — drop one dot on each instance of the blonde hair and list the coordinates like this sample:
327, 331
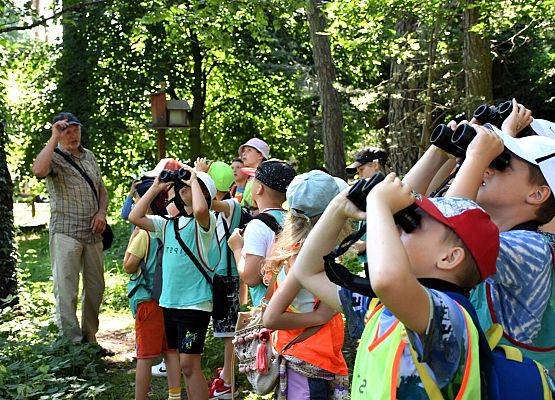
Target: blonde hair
289, 242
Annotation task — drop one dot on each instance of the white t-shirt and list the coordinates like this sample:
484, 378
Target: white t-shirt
258, 239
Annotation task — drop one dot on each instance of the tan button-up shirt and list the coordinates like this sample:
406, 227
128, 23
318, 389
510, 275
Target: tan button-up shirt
72, 202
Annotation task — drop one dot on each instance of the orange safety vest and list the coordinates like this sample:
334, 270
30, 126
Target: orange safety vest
323, 349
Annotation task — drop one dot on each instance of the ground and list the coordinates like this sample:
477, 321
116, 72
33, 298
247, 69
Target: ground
36, 364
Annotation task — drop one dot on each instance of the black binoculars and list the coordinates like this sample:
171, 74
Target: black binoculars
456, 142
407, 219
177, 176
494, 115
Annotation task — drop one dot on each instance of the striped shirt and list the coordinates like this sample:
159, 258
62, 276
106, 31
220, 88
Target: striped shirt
72, 202
521, 288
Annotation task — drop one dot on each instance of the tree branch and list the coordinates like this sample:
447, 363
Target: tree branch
219, 106
44, 20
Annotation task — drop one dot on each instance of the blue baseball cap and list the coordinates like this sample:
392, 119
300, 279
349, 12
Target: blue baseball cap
310, 193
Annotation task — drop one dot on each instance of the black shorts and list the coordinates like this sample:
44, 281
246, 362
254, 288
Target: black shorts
186, 329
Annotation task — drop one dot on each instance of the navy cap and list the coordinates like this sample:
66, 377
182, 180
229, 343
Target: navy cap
367, 155
143, 186
158, 205
71, 119
275, 174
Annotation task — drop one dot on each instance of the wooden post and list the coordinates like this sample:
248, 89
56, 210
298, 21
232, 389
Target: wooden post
159, 120
161, 143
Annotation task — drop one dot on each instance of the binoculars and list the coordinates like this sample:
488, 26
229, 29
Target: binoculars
494, 115
456, 142
177, 177
407, 219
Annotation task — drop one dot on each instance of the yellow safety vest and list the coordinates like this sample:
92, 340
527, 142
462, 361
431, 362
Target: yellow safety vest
377, 365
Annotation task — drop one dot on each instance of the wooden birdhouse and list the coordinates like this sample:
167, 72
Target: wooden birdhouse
178, 113
158, 106
167, 114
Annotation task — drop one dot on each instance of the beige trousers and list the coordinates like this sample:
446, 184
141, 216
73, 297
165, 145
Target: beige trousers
69, 257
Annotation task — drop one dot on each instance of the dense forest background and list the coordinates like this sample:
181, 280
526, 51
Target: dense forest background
316, 79
247, 68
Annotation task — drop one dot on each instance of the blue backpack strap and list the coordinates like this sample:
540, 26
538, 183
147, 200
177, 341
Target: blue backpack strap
467, 305
145, 261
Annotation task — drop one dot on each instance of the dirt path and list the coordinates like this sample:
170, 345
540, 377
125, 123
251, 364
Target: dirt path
116, 333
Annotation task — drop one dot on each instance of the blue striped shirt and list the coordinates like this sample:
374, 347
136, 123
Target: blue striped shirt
521, 288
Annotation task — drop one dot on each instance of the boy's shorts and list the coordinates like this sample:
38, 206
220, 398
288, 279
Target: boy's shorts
225, 327
149, 330
186, 329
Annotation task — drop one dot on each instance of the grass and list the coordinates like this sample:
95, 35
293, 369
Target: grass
31, 351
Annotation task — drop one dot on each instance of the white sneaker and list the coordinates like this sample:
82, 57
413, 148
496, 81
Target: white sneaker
160, 369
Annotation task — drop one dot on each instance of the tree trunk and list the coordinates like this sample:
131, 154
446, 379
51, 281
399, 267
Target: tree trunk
332, 117
404, 135
312, 135
199, 99
427, 126
75, 67
8, 258
477, 61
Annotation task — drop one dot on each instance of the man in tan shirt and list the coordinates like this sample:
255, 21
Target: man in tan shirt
76, 224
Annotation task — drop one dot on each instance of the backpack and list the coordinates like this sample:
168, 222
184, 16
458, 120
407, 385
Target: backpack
246, 217
157, 280
140, 278
270, 221
506, 374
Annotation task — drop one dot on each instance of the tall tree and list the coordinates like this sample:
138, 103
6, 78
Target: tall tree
476, 58
199, 97
76, 65
403, 103
429, 94
332, 117
8, 259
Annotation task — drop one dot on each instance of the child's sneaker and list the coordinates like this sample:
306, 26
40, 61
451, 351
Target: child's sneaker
219, 390
160, 369
217, 375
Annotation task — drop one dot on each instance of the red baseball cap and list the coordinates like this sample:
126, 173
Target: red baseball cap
471, 224
165, 163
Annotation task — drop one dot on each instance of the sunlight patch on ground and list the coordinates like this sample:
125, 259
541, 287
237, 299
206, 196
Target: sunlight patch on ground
117, 334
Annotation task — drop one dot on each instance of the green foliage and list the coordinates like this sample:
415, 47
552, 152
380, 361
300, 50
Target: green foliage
35, 363
257, 73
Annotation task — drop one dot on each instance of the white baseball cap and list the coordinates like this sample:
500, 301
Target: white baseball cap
543, 127
208, 182
537, 150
